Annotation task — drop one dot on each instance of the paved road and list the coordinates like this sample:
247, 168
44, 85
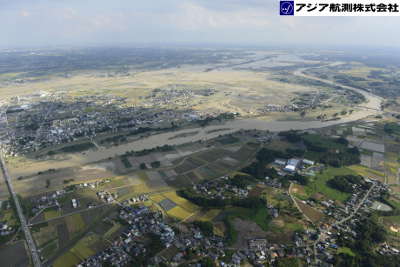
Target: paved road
28, 236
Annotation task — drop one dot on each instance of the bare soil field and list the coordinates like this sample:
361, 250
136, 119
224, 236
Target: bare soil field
14, 255
246, 230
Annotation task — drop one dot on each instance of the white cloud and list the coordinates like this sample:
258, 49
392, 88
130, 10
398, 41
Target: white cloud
225, 21
191, 16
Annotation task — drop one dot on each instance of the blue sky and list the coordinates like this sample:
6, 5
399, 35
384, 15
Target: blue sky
25, 23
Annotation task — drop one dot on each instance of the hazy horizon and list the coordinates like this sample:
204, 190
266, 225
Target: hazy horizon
44, 23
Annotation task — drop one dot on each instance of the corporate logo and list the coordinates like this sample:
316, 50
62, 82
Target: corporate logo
286, 8
339, 8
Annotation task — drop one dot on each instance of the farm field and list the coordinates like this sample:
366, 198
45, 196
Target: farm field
56, 235
368, 172
314, 215
319, 184
14, 254
174, 205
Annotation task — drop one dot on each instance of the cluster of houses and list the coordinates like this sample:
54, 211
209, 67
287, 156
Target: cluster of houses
347, 219
94, 184
272, 182
220, 189
5, 229
142, 221
386, 249
278, 108
54, 120
177, 97
131, 243
46, 200
107, 197
136, 200
261, 252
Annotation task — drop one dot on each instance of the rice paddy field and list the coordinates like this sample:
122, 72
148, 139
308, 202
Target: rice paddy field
175, 206
368, 172
76, 232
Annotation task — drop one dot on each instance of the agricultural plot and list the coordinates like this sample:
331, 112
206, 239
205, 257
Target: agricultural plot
67, 260
193, 177
392, 167
155, 180
366, 160
186, 166
116, 182
182, 202
281, 229
213, 155
62, 233
208, 173
8, 216
112, 232
319, 184
371, 146
87, 246
56, 235
49, 249
167, 204
227, 162
311, 213
368, 172
179, 213
209, 215
392, 226
84, 197
276, 196
14, 255
75, 224
195, 161
180, 181
246, 230
51, 213
218, 168
168, 173
45, 234
298, 191
174, 205
157, 198
244, 153
279, 145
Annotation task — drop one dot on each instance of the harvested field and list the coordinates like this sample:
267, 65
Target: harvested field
314, 215
179, 213
155, 180
213, 155
63, 233
185, 167
207, 173
66, 260
14, 255
246, 230
244, 153
167, 204
210, 215
75, 223
182, 202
